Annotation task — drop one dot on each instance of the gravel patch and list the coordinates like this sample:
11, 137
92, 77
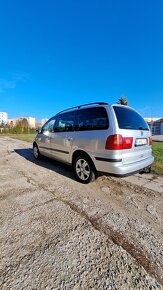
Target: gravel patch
58, 234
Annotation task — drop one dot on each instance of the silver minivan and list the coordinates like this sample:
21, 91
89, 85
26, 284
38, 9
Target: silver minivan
97, 137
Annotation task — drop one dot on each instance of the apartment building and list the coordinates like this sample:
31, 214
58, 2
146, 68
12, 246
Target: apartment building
155, 125
29, 122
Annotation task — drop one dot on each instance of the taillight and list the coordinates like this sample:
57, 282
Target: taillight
117, 142
127, 142
150, 140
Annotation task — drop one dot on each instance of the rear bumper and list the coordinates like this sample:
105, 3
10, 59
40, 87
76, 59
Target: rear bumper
119, 169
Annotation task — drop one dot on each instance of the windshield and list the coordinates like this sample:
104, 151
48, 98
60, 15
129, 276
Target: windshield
129, 119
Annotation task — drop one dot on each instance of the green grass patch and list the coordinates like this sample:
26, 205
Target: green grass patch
157, 166
23, 137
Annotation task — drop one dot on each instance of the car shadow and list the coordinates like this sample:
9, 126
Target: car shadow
46, 162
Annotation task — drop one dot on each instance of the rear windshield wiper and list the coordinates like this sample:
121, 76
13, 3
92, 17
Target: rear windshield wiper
141, 128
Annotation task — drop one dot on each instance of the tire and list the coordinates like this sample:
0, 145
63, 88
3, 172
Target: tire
36, 152
84, 170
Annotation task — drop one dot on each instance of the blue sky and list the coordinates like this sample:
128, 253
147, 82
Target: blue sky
57, 54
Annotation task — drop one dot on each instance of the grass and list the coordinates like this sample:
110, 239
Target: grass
28, 138
23, 137
157, 166
157, 148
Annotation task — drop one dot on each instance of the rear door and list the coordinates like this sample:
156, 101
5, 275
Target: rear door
92, 129
132, 124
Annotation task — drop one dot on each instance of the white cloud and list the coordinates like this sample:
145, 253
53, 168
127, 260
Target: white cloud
6, 84
21, 76
11, 84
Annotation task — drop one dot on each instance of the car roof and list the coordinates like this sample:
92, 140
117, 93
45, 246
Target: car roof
84, 105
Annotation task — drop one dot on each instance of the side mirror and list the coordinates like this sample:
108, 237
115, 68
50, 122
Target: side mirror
38, 131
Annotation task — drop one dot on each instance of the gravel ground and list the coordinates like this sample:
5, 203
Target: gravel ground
56, 233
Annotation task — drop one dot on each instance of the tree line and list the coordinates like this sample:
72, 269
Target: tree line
21, 127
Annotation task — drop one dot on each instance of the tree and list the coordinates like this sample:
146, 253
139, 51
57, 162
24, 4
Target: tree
24, 123
2, 124
122, 101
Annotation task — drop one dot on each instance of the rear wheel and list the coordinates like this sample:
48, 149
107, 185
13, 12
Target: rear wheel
36, 152
84, 169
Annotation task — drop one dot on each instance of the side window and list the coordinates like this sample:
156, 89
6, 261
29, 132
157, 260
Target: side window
49, 126
92, 119
65, 122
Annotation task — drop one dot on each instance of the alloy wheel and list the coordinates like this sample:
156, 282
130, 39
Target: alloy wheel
83, 170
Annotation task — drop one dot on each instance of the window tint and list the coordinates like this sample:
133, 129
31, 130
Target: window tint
92, 119
65, 122
49, 126
129, 119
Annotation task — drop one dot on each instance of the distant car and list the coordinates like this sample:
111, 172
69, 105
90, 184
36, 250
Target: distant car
97, 137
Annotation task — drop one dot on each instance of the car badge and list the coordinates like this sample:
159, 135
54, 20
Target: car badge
141, 133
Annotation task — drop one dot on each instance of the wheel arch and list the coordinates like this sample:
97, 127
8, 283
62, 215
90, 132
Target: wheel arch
34, 143
80, 152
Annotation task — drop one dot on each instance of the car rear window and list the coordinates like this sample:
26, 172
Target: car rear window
129, 119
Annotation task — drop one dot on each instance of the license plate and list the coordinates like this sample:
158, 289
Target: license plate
140, 142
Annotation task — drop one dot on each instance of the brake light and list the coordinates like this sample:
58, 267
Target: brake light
127, 142
117, 142
150, 140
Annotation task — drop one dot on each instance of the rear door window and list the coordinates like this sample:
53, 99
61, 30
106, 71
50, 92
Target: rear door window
91, 119
129, 119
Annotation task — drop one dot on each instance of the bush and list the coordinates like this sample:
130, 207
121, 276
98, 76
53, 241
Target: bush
16, 130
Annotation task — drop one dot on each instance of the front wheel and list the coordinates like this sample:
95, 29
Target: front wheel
36, 152
84, 169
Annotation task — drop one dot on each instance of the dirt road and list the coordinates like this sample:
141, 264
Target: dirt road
56, 233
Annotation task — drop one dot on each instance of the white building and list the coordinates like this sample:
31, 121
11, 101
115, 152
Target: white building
155, 125
3, 117
30, 121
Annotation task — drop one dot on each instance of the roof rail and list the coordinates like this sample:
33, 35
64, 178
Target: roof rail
78, 107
